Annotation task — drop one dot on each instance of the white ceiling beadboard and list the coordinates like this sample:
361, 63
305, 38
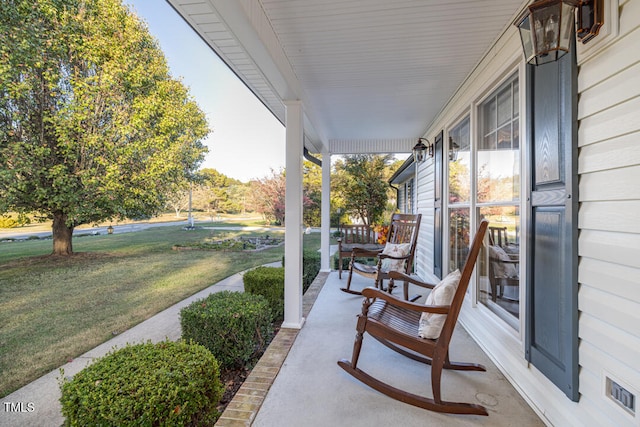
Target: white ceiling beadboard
371, 74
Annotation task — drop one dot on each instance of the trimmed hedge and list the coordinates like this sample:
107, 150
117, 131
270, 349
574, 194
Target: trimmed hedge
310, 268
267, 282
163, 384
234, 326
345, 262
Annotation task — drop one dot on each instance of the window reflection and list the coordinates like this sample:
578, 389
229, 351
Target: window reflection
498, 201
460, 163
459, 193
498, 176
458, 237
499, 271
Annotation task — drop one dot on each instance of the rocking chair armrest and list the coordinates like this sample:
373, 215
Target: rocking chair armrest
383, 256
374, 293
504, 261
397, 275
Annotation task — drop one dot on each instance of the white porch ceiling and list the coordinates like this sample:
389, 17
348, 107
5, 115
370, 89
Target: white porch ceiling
371, 74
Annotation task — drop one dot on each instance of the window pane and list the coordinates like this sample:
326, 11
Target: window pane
504, 106
498, 266
504, 137
460, 163
498, 175
516, 99
488, 142
458, 237
489, 114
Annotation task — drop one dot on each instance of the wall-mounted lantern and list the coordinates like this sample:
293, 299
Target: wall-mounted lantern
420, 150
546, 27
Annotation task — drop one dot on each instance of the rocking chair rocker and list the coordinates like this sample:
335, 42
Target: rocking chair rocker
395, 323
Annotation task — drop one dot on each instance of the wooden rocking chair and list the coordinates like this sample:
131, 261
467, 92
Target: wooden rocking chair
403, 229
395, 323
354, 236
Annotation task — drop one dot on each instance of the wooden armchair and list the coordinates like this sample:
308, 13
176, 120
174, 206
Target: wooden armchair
396, 323
356, 236
503, 262
503, 271
397, 254
498, 236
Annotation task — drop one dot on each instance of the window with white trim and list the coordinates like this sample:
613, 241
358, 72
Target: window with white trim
485, 160
498, 200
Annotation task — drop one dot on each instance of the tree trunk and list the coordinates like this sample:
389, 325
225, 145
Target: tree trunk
62, 235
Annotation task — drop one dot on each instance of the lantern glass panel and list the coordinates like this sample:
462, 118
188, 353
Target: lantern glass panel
525, 36
546, 26
567, 25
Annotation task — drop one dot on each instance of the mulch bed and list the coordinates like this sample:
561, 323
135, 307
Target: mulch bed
231, 380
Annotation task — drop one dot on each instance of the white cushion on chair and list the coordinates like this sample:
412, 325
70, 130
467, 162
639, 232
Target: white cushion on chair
502, 269
396, 250
442, 294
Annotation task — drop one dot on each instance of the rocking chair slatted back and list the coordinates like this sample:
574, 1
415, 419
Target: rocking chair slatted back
353, 236
404, 228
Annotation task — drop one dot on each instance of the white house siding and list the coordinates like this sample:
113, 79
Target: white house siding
402, 202
609, 224
424, 203
609, 245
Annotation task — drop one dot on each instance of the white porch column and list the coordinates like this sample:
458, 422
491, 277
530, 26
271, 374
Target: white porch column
293, 216
325, 209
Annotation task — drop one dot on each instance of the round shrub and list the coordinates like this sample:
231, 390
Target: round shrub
234, 326
163, 384
268, 282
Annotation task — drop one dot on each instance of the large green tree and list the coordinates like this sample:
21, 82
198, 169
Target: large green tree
360, 186
92, 125
220, 193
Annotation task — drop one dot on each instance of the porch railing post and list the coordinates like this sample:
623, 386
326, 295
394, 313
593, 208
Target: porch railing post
325, 220
293, 216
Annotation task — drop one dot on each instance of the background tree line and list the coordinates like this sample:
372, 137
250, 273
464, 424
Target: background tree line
360, 192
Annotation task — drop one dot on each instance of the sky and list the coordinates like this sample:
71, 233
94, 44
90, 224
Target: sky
247, 141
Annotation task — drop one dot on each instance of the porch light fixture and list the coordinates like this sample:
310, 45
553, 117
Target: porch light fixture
546, 27
420, 150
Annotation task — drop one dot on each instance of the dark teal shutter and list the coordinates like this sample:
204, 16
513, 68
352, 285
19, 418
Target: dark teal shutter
552, 273
437, 203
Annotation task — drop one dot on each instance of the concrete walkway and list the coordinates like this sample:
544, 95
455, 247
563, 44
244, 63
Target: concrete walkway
40, 399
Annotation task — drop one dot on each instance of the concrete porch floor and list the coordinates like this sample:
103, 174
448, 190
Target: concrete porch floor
310, 389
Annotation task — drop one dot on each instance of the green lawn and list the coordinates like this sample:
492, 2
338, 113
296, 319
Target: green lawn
54, 309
